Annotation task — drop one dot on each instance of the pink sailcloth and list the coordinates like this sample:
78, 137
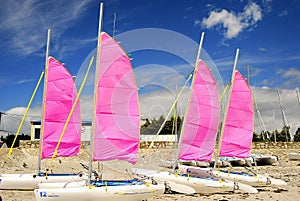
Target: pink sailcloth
60, 94
117, 119
238, 129
200, 131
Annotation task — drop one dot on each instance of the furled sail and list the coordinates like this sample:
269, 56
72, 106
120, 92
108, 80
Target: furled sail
60, 94
238, 128
200, 131
116, 122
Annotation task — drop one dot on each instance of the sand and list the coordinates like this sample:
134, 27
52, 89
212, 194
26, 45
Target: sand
25, 161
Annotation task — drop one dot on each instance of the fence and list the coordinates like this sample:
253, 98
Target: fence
168, 144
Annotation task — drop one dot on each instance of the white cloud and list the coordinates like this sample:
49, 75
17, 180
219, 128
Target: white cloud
159, 102
11, 119
24, 25
25, 81
252, 13
233, 23
229, 20
189, 8
197, 22
282, 78
290, 73
262, 49
268, 104
291, 77
283, 13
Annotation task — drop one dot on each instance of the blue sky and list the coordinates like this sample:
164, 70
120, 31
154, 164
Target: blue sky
267, 33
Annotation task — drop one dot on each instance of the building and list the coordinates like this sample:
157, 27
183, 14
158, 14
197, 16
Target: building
35, 130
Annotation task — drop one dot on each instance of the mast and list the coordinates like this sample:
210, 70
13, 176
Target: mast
95, 92
260, 120
225, 114
190, 97
44, 97
284, 119
259, 117
175, 115
274, 114
298, 95
174, 122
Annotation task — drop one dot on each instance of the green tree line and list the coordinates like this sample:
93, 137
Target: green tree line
151, 127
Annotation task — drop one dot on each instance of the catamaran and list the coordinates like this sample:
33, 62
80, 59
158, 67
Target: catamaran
116, 131
198, 137
237, 132
59, 97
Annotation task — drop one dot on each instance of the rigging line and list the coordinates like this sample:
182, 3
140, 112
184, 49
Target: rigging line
24, 116
17, 119
217, 154
284, 119
220, 99
18, 115
174, 123
7, 131
13, 118
224, 91
71, 113
174, 127
11, 114
170, 111
16, 161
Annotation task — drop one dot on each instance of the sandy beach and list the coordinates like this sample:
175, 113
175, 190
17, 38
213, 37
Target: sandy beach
24, 160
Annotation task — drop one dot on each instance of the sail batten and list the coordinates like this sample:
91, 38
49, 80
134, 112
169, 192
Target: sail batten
59, 98
238, 128
117, 119
200, 130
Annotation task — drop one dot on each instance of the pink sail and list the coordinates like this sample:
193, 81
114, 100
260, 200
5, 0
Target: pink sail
238, 129
117, 119
200, 131
60, 94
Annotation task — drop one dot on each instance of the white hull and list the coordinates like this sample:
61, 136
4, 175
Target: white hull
62, 184
250, 179
237, 162
194, 163
167, 163
264, 160
208, 173
229, 161
294, 156
31, 181
170, 163
200, 185
129, 192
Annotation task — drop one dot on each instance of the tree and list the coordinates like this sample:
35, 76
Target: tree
152, 127
256, 137
297, 135
146, 124
283, 136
